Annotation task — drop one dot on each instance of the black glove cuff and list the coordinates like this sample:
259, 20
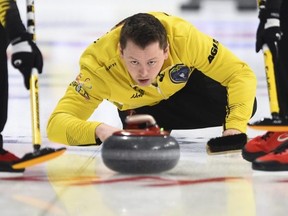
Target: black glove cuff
264, 15
98, 141
23, 37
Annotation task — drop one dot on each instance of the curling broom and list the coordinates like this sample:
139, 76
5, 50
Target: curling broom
39, 154
275, 123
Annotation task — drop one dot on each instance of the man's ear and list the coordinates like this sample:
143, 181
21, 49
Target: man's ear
120, 50
166, 51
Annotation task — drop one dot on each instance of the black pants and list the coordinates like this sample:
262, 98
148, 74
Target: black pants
3, 81
201, 103
282, 76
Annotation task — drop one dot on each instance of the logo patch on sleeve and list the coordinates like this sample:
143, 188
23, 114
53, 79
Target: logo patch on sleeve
179, 73
81, 86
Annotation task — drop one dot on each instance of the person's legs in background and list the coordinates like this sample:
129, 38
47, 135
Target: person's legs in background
4, 155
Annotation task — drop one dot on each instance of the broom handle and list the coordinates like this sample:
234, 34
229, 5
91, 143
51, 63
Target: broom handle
271, 81
34, 88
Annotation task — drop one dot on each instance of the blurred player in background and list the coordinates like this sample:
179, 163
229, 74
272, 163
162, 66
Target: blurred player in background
25, 56
273, 31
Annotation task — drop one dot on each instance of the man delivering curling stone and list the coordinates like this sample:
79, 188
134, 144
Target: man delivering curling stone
161, 65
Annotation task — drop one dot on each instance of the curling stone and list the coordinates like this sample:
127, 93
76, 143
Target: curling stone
148, 150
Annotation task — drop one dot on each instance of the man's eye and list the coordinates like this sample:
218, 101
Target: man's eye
134, 62
151, 62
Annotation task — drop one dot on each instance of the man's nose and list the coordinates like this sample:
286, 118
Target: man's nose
143, 71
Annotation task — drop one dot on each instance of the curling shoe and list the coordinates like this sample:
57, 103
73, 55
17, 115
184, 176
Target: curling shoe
262, 145
6, 161
6, 156
277, 160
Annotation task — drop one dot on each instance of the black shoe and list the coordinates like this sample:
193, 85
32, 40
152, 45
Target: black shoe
6, 170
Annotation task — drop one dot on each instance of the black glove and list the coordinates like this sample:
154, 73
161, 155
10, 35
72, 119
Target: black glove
268, 31
25, 56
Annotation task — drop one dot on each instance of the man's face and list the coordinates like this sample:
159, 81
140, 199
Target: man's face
143, 65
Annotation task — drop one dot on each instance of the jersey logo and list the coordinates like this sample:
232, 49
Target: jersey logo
139, 93
213, 51
179, 73
110, 66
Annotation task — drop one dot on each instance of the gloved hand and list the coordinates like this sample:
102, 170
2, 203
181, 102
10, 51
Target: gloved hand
268, 31
25, 56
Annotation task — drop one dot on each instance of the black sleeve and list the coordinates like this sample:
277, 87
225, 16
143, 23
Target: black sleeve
14, 26
273, 5
269, 9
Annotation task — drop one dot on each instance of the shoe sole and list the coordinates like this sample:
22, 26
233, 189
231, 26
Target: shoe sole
274, 128
269, 166
6, 170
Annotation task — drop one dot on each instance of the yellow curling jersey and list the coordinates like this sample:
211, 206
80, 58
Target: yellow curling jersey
103, 76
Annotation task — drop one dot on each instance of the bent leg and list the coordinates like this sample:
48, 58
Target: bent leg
201, 103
